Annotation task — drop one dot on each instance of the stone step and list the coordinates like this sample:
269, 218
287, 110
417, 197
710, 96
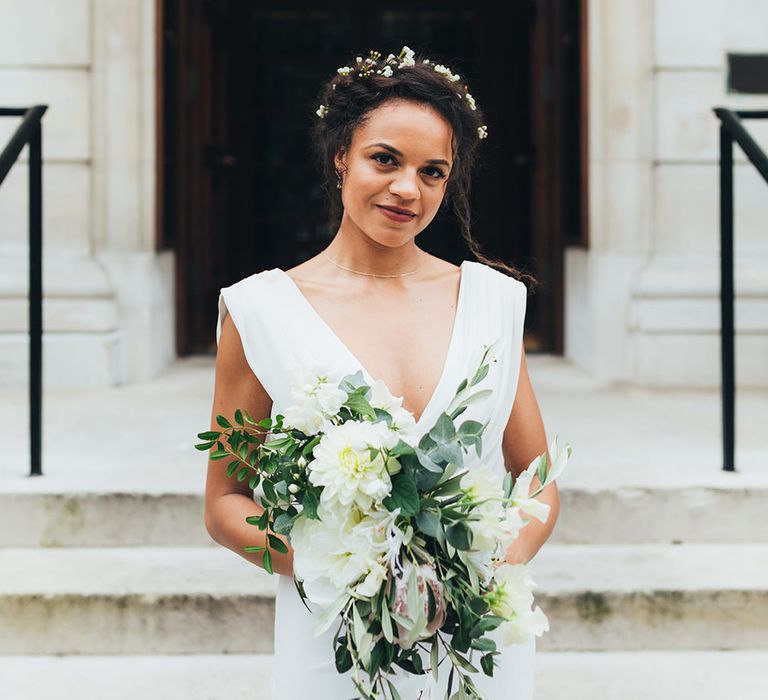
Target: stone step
210, 600
640, 675
622, 515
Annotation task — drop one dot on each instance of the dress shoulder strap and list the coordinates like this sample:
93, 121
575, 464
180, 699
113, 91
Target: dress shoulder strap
252, 304
498, 311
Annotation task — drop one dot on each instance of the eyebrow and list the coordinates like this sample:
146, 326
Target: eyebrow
392, 149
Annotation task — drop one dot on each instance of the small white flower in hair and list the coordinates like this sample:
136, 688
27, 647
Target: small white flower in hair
344, 70
387, 72
482, 131
408, 59
453, 77
322, 111
471, 101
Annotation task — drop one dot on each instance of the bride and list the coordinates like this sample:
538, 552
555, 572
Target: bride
396, 140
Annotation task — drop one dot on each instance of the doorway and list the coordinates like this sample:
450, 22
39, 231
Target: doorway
238, 188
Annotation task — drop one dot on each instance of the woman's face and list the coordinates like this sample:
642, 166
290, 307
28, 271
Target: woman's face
400, 157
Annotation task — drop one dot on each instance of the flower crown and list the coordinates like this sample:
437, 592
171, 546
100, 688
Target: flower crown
365, 67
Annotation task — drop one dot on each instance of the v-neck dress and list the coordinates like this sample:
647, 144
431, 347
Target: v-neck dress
280, 331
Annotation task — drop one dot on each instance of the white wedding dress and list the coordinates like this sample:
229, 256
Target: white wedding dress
279, 329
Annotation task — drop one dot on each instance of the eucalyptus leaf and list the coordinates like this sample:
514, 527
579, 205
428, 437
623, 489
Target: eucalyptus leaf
443, 429
283, 524
427, 462
470, 427
448, 452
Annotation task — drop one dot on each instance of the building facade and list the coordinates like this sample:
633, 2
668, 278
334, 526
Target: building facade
640, 299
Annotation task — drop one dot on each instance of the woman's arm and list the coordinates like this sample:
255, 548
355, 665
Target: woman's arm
525, 439
229, 502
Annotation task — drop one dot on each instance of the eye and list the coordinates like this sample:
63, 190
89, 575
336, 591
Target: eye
437, 170
377, 155
438, 173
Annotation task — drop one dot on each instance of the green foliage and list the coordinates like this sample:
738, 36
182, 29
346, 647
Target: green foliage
404, 495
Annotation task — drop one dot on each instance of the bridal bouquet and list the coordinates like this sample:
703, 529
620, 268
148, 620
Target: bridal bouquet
394, 539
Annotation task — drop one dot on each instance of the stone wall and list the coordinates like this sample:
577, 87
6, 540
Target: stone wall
643, 301
108, 294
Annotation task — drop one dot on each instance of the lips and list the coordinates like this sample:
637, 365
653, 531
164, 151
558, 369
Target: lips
404, 212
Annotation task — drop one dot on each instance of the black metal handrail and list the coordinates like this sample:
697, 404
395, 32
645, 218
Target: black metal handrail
731, 130
30, 132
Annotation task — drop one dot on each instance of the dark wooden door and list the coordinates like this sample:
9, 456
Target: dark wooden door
558, 187
242, 190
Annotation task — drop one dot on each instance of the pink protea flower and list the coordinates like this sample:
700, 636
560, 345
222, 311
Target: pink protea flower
420, 627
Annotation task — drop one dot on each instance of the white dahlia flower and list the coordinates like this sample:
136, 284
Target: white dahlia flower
348, 463
341, 550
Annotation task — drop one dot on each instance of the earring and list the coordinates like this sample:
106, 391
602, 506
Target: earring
339, 180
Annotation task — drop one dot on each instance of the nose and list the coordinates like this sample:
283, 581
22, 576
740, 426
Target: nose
405, 185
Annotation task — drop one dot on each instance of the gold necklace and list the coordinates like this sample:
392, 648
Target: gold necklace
370, 274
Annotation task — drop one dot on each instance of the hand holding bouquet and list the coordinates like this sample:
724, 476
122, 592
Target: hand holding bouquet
400, 544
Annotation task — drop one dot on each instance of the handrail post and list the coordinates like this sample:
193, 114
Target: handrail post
727, 297
35, 298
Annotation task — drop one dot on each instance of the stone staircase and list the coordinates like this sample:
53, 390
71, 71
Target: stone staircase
655, 579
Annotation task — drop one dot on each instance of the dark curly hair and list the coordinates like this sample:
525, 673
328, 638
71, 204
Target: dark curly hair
347, 100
